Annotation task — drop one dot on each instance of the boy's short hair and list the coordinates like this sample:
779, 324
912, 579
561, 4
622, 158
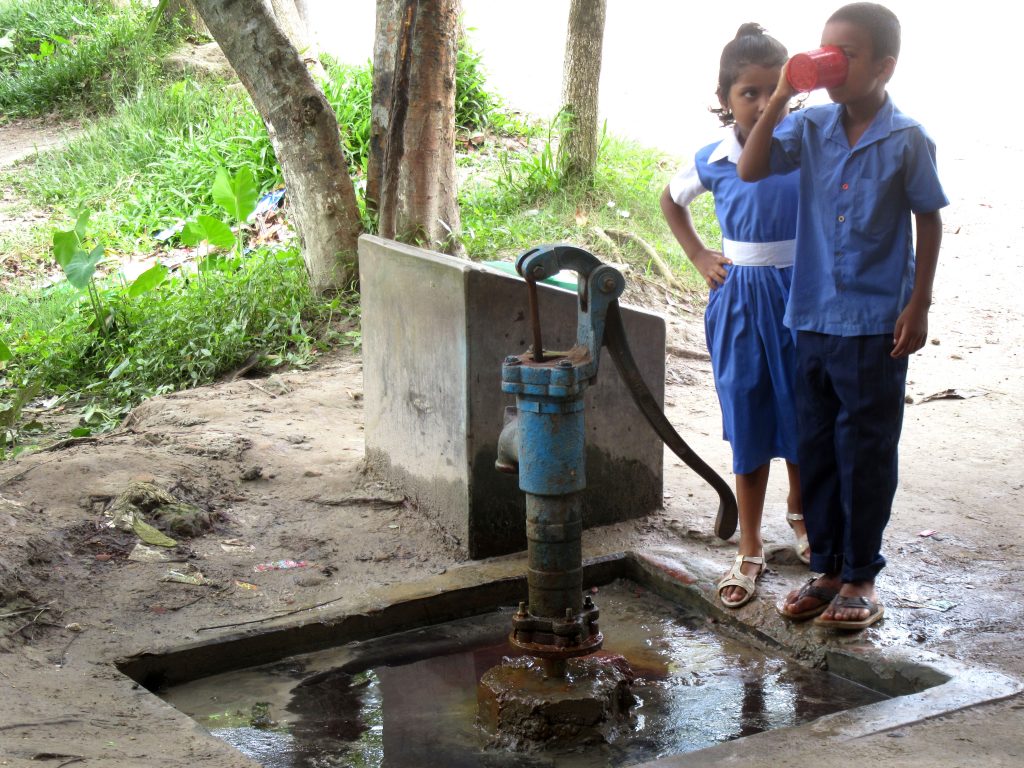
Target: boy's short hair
879, 21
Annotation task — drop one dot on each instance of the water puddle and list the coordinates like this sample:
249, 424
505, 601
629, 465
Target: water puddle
410, 699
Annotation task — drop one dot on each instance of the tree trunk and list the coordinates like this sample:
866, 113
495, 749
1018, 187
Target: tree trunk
385, 46
304, 133
415, 168
292, 16
581, 76
184, 11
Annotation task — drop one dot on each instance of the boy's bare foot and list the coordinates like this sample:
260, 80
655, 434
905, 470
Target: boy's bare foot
812, 598
852, 613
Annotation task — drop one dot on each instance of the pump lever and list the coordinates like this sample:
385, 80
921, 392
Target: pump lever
599, 286
599, 323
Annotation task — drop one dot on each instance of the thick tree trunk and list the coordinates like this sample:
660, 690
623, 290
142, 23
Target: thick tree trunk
293, 18
415, 150
581, 75
304, 133
385, 46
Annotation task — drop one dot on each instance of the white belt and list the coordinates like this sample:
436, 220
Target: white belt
778, 254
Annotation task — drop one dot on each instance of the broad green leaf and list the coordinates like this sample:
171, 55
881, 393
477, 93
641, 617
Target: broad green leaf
82, 267
148, 280
81, 432
217, 232
5, 352
82, 221
214, 231
65, 245
236, 195
61, 40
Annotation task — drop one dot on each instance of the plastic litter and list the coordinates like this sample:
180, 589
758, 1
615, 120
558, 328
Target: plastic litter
281, 565
194, 577
269, 202
143, 553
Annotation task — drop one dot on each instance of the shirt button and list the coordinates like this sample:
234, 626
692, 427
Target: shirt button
846, 186
841, 218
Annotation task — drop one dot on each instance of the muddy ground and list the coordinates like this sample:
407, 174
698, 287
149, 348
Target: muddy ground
276, 464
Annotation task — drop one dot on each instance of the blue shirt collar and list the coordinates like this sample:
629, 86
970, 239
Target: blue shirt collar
888, 119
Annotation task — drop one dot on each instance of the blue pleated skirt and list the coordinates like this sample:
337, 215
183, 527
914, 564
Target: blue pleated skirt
753, 356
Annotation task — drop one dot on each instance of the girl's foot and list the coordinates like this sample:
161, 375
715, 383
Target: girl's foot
739, 585
802, 546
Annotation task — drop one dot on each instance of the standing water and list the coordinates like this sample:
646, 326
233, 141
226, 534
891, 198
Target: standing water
411, 699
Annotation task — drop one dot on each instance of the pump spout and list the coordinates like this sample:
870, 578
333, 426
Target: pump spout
508, 443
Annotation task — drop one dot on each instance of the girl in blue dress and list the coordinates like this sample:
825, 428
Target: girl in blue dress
752, 352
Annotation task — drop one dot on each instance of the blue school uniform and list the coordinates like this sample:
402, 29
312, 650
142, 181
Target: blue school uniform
752, 352
854, 275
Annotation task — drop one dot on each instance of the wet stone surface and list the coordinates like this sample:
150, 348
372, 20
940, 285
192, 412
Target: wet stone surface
524, 709
412, 699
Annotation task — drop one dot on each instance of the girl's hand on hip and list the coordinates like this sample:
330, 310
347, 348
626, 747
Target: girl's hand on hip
711, 265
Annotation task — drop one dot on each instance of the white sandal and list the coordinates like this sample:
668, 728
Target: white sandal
737, 578
803, 547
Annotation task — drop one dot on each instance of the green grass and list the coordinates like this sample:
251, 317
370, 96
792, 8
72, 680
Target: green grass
514, 201
189, 331
74, 56
153, 162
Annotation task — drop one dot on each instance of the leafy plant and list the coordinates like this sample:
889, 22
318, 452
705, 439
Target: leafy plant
79, 264
237, 195
475, 105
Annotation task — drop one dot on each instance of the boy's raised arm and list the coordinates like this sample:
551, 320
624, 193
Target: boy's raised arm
753, 164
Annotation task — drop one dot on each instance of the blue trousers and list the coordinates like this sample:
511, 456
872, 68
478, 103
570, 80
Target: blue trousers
849, 395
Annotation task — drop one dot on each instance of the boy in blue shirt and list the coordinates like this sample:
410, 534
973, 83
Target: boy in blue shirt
858, 303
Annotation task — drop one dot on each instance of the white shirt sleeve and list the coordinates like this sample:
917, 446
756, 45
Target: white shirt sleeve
685, 186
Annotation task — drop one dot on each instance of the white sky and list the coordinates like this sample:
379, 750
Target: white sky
957, 70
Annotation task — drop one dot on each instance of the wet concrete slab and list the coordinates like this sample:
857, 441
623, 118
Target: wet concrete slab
922, 685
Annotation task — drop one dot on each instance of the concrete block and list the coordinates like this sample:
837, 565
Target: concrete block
435, 331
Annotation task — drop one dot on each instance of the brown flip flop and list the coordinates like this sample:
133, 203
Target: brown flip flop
875, 612
810, 589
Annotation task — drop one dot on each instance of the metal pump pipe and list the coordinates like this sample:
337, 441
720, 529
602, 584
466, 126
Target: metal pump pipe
544, 440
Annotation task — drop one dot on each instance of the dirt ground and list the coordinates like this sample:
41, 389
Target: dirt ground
276, 464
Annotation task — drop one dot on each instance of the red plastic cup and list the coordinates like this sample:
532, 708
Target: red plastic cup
821, 68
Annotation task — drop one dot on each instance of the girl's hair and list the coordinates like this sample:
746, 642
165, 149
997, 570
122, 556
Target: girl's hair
750, 46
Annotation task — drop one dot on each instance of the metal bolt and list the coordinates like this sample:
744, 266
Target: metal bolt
537, 272
608, 284
522, 609
568, 614
565, 363
512, 360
